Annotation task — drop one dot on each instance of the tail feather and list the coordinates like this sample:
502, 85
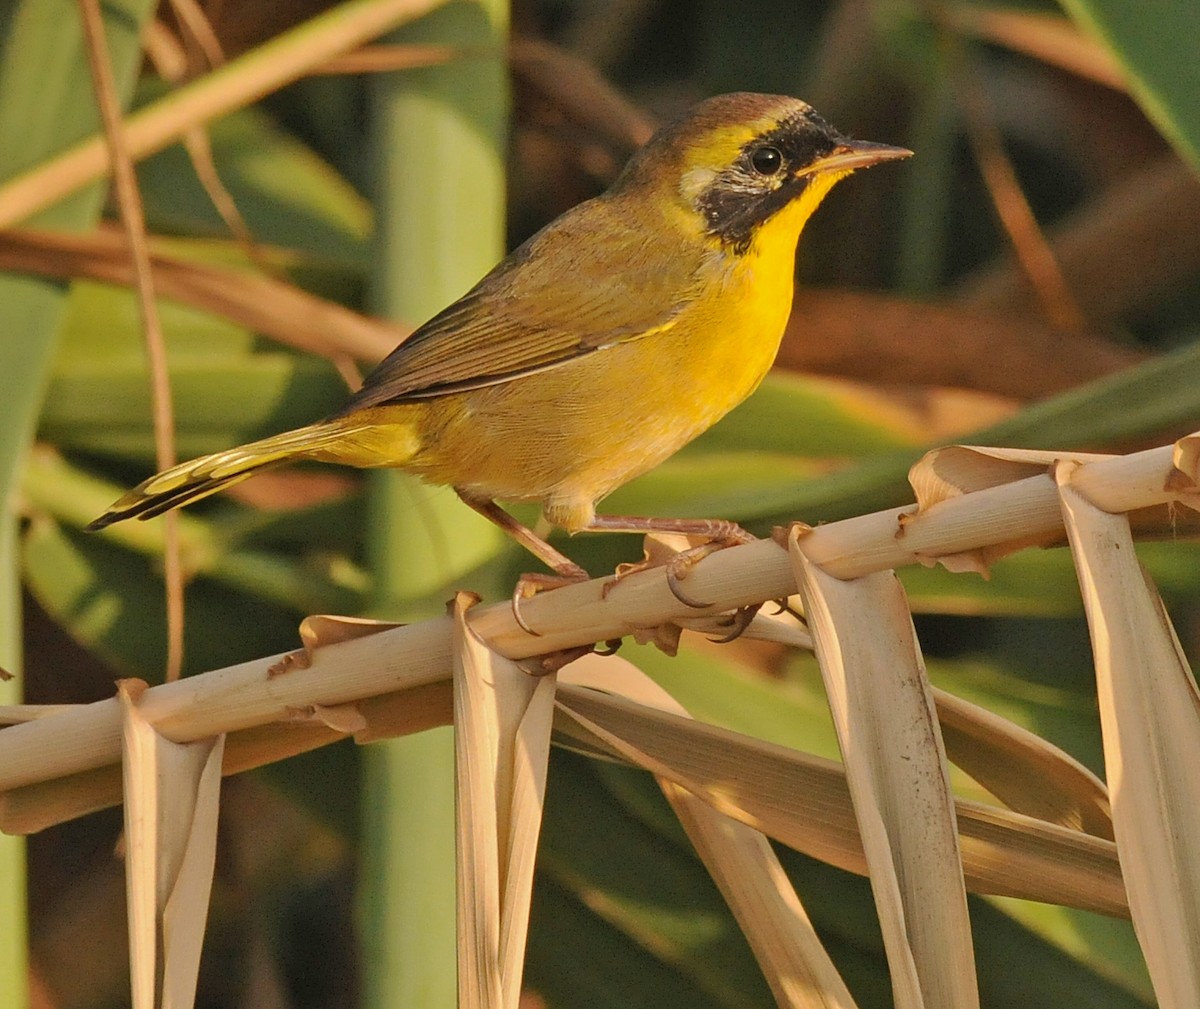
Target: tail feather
198, 478
135, 505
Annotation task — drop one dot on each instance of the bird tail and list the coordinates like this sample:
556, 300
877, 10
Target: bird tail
191, 481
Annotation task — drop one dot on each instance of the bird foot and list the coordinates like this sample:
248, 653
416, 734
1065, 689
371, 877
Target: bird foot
529, 585
681, 565
738, 621
544, 665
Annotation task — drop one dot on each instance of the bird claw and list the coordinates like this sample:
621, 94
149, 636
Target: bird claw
677, 570
624, 570
610, 647
544, 665
741, 619
529, 585
678, 566
683, 562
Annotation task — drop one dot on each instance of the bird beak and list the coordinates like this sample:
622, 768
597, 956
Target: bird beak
852, 154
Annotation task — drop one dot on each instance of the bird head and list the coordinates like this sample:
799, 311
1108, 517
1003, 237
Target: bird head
735, 162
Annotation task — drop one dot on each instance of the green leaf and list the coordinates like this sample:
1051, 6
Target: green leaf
1106, 947
1037, 582
43, 67
228, 389
111, 601
287, 195
662, 933
624, 915
1159, 396
1156, 45
711, 483
1032, 582
812, 417
717, 689
310, 580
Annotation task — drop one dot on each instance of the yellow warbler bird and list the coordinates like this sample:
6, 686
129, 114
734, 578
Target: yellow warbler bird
598, 348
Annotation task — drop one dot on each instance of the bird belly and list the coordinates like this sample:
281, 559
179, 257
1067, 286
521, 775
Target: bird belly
568, 436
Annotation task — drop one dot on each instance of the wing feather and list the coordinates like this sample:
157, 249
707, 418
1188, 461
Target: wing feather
589, 280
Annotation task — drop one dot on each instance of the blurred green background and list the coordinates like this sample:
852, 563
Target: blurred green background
931, 310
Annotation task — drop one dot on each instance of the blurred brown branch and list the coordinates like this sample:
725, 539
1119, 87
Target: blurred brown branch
272, 307
1121, 251
891, 340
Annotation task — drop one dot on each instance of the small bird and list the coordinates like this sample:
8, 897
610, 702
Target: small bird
599, 347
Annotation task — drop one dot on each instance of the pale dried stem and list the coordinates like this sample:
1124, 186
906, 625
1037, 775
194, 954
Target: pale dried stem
233, 86
1051, 38
1028, 240
198, 32
1150, 720
163, 49
175, 65
247, 695
1148, 221
883, 709
133, 219
383, 58
580, 94
803, 801
266, 305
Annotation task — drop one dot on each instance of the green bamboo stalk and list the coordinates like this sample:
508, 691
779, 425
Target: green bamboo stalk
440, 185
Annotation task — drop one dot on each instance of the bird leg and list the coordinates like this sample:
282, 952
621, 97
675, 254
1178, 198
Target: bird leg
720, 533
531, 541
528, 585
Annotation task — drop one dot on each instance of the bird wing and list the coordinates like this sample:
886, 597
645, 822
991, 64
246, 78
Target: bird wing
587, 281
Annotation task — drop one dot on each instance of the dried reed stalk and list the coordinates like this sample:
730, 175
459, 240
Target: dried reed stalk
960, 528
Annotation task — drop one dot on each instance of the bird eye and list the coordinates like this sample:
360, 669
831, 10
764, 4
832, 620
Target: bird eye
766, 160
